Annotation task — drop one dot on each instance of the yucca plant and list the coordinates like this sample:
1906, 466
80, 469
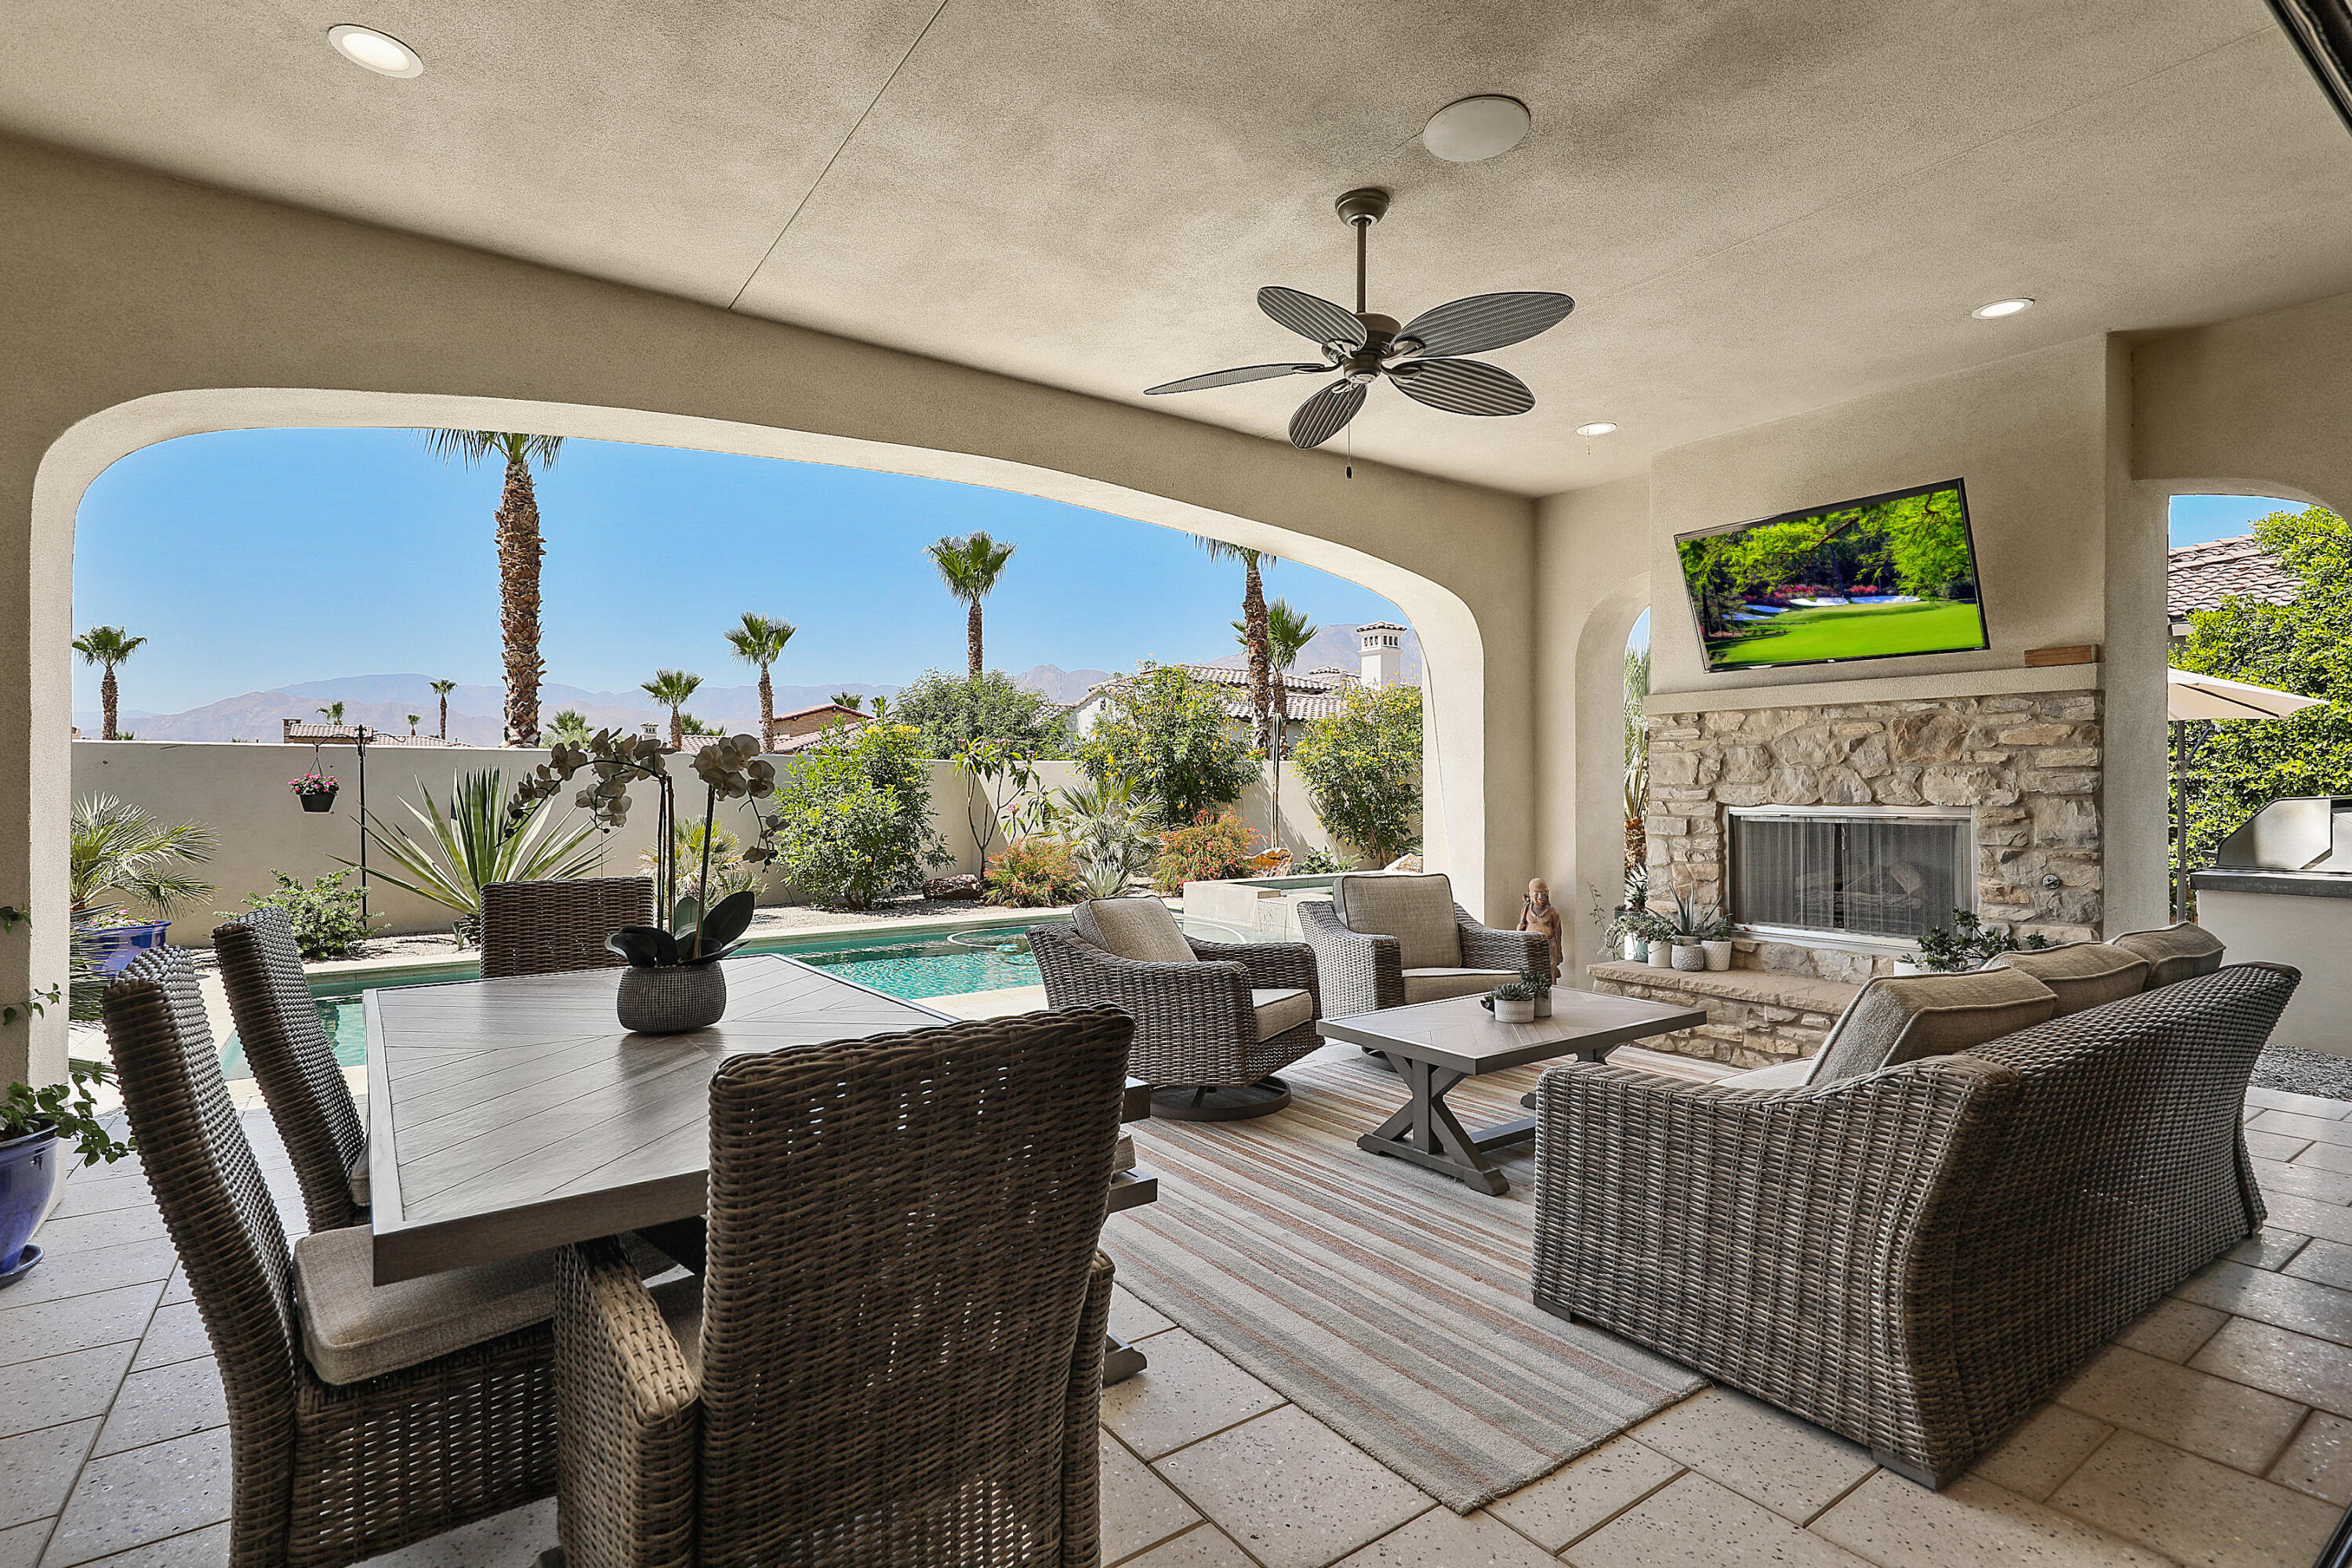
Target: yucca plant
475, 841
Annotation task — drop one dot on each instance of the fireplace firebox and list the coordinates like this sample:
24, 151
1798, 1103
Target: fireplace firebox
1858, 871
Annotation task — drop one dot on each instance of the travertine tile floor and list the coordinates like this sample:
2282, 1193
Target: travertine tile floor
2218, 1430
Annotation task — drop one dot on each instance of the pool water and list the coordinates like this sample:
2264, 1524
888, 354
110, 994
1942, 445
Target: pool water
989, 959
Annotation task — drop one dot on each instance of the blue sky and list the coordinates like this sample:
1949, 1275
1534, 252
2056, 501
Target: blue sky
261, 558
2197, 519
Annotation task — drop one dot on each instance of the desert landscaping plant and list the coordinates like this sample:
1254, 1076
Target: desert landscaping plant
1166, 732
970, 567
954, 711
117, 849
670, 688
758, 641
1251, 627
475, 841
325, 914
520, 551
1100, 825
853, 825
1209, 848
1033, 873
1362, 764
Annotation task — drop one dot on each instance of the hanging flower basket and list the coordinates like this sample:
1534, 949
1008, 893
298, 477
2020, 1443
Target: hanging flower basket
315, 791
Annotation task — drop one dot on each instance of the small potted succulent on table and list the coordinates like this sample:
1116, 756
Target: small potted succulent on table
315, 791
32, 1121
1542, 982
1514, 1002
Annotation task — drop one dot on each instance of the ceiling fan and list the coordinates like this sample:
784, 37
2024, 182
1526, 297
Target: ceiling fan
1421, 356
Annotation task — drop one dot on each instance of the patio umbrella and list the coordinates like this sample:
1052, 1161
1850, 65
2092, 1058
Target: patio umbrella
2189, 695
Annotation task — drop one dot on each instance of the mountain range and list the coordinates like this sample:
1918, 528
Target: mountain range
385, 701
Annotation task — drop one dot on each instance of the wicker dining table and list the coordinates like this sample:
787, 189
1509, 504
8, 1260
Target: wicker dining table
506, 1116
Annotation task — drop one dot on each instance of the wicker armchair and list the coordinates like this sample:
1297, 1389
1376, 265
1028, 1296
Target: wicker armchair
1214, 1021
1387, 940
286, 1046
405, 1443
542, 928
1915, 1257
896, 1355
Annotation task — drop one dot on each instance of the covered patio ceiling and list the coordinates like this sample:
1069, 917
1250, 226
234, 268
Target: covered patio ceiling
1761, 208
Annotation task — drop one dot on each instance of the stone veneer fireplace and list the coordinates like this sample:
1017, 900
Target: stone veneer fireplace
1870, 812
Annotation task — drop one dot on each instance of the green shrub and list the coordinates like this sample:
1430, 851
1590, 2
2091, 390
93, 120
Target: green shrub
953, 711
1167, 732
1210, 849
1362, 764
1321, 862
325, 914
1033, 872
855, 826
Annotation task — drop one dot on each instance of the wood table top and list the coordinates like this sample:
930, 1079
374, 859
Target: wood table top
1458, 1034
505, 1116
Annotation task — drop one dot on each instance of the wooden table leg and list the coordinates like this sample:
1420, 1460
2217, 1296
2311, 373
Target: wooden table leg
1121, 1361
1427, 1133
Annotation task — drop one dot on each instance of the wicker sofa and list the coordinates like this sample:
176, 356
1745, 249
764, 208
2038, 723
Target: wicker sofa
1914, 1256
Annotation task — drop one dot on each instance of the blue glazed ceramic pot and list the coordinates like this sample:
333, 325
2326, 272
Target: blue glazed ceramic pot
29, 1173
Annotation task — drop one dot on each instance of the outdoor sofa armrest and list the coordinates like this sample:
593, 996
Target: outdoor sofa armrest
1355, 972
1082, 1424
1794, 1243
628, 1416
1272, 965
1489, 947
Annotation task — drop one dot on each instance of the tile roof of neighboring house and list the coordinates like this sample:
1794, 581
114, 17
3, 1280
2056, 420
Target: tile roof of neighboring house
1311, 696
2199, 576
298, 732
824, 708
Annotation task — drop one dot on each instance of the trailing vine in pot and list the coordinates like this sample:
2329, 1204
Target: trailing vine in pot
673, 982
1967, 943
32, 1122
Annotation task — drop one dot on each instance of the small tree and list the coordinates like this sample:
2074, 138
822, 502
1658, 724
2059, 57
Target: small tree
1363, 766
855, 824
1167, 732
953, 714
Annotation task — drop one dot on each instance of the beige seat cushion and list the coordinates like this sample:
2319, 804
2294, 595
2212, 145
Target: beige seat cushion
1436, 984
1280, 1011
358, 1175
2081, 973
1901, 1018
1780, 1075
354, 1329
2175, 954
1138, 928
1416, 910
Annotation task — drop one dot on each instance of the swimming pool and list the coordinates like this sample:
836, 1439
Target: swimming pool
934, 964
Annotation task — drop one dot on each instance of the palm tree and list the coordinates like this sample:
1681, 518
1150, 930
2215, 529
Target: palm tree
520, 553
849, 699
760, 642
118, 848
568, 728
413, 718
332, 712
970, 567
106, 647
1253, 638
670, 688
442, 689
1287, 632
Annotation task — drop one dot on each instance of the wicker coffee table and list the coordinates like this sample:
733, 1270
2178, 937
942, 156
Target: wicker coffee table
1435, 1044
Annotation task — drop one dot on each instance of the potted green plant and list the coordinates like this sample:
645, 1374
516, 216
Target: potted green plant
32, 1121
1658, 937
1967, 943
1715, 938
673, 982
315, 791
1513, 1001
1542, 982
116, 847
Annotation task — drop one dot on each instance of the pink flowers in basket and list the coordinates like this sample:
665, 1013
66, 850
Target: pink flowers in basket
313, 784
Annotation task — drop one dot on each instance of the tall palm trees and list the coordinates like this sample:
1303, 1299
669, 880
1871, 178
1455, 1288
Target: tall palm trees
106, 647
970, 567
1253, 623
759, 641
332, 712
1287, 632
442, 689
671, 688
520, 553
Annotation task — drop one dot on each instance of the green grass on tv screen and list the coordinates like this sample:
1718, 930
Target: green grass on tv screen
1893, 576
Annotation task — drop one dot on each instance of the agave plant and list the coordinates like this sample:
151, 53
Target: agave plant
476, 841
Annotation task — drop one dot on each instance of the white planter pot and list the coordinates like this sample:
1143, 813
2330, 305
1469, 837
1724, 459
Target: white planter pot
1508, 1011
1908, 966
1543, 1005
1688, 956
1718, 955
1660, 956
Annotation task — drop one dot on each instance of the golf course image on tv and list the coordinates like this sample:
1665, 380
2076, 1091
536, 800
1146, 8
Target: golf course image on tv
1874, 578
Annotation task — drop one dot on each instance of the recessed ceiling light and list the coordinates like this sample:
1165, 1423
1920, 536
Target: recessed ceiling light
1473, 129
1999, 308
1598, 427
379, 52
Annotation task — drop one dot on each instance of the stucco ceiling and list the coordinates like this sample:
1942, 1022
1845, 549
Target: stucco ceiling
1762, 207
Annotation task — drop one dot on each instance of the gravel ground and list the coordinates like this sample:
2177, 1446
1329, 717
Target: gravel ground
2304, 1072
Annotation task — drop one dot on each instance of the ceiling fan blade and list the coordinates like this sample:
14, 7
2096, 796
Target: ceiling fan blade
1462, 386
1233, 377
1485, 321
1317, 319
1326, 414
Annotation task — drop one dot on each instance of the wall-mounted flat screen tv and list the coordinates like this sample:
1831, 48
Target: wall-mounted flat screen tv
1881, 578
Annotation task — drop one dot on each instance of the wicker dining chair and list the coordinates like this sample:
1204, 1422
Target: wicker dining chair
360, 1418
1215, 1022
895, 1354
287, 1046
544, 928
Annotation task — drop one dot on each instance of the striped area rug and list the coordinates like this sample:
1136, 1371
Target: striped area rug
1388, 1302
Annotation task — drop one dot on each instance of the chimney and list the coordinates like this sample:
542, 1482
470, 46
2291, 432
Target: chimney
1382, 646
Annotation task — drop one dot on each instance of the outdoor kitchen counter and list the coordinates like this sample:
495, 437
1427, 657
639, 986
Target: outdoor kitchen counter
2302, 918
